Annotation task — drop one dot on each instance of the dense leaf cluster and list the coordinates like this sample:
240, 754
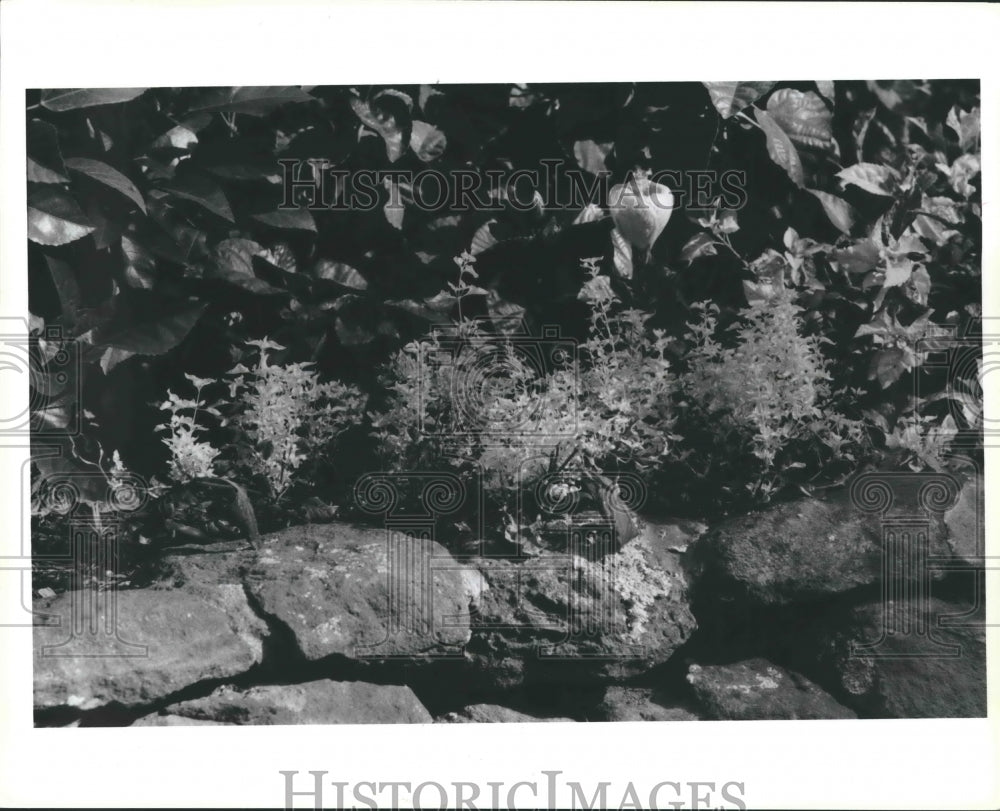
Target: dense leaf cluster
160, 241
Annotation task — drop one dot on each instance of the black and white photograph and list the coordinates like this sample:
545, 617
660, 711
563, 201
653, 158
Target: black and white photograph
601, 405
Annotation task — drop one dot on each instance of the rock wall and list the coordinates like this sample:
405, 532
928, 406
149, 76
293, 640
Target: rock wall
774, 615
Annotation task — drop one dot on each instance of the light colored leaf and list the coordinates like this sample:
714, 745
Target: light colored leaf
293, 219
483, 239
427, 92
589, 213
934, 225
965, 125
590, 155
75, 98
427, 142
394, 211
383, 122
179, 137
341, 273
826, 89
623, 254
54, 218
731, 97
898, 272
781, 149
108, 176
861, 257
888, 365
112, 357
871, 177
804, 117
920, 282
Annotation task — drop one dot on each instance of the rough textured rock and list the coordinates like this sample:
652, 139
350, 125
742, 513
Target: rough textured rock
966, 520
558, 618
909, 675
802, 550
193, 566
756, 690
490, 714
189, 636
638, 704
334, 587
315, 702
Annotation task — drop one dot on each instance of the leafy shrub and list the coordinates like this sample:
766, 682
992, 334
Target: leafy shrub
281, 416
613, 411
761, 393
190, 456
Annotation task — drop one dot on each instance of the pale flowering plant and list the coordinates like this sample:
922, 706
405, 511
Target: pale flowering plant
276, 419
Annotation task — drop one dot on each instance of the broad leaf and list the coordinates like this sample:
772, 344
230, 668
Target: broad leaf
590, 156
379, 118
861, 257
840, 212
937, 217
394, 212
701, 244
871, 177
75, 98
112, 357
589, 213
298, 219
158, 336
898, 271
257, 101
483, 239
622, 254
341, 273
179, 137
199, 189
109, 176
234, 264
731, 97
965, 126
826, 89
888, 365
804, 118
427, 142
45, 162
781, 149
54, 218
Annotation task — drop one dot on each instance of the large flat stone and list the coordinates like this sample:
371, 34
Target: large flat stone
351, 591
136, 647
316, 702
